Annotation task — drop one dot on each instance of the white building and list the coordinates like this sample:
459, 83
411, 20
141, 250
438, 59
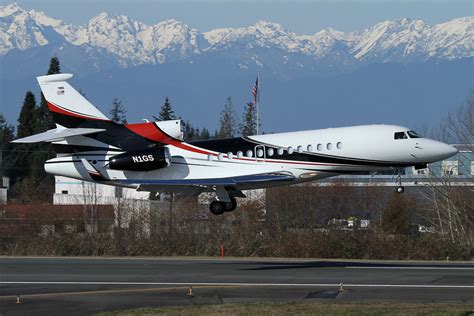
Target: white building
70, 191
5, 185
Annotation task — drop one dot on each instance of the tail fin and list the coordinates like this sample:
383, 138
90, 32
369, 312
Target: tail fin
68, 107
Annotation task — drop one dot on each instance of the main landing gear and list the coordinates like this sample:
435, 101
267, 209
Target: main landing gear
225, 200
219, 207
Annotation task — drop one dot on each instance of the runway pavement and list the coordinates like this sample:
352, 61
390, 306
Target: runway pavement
79, 286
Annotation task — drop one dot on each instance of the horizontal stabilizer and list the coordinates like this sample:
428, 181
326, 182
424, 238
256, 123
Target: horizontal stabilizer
57, 134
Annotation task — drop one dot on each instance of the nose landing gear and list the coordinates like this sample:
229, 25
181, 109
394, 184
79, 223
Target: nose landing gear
400, 189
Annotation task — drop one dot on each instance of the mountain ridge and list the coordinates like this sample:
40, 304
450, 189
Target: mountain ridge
135, 43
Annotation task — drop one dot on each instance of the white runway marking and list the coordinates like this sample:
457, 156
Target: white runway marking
433, 286
412, 268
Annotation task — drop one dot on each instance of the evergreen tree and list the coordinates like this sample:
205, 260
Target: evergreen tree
27, 116
205, 134
23, 153
6, 136
54, 67
227, 120
249, 120
166, 112
28, 166
189, 131
197, 134
118, 112
44, 119
6, 132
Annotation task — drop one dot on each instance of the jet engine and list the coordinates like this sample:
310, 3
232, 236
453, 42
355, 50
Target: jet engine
173, 128
141, 160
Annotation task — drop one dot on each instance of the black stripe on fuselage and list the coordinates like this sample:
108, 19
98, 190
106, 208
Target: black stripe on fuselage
119, 136
243, 144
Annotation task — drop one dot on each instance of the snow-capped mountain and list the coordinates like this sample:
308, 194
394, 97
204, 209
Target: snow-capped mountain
406, 39
263, 44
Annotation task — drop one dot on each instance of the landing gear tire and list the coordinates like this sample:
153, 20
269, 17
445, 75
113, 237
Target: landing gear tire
400, 189
217, 207
230, 206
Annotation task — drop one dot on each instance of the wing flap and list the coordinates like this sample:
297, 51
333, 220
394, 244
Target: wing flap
230, 181
57, 134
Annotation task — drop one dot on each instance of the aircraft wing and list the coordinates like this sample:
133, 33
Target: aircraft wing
211, 182
57, 134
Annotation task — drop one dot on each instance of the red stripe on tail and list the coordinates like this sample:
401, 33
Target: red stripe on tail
57, 109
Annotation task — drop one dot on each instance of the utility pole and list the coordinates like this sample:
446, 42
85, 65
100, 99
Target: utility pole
256, 100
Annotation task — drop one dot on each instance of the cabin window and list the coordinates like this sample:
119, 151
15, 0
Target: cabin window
249, 153
400, 135
290, 150
300, 149
280, 151
310, 148
319, 147
209, 157
240, 154
220, 156
270, 152
230, 155
259, 152
329, 146
413, 134
339, 145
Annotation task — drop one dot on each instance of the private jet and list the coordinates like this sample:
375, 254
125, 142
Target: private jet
154, 156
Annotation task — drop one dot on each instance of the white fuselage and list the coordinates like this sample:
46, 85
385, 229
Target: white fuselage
307, 155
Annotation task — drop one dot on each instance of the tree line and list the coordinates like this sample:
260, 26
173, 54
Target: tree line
23, 163
290, 222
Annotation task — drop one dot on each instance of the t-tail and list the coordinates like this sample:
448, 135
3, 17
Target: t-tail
69, 108
80, 126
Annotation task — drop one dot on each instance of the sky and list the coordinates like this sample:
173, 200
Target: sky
302, 16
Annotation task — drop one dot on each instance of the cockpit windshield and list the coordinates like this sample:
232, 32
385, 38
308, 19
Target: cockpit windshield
413, 134
400, 135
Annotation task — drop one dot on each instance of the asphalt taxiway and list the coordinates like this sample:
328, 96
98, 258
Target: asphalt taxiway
78, 286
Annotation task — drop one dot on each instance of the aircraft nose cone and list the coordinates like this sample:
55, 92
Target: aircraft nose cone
433, 150
451, 151
446, 151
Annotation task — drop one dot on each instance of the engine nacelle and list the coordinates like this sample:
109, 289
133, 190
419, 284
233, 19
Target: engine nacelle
173, 128
141, 160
